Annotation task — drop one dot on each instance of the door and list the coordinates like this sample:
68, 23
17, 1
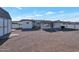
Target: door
62, 27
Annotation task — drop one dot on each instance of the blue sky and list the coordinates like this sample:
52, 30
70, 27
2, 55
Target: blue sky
44, 13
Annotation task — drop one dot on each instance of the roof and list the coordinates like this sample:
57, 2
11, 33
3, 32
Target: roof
27, 20
46, 21
49, 21
4, 14
58, 21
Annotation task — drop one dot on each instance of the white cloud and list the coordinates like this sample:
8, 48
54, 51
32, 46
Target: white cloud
61, 12
69, 16
74, 17
29, 17
37, 15
50, 12
23, 17
19, 8
63, 16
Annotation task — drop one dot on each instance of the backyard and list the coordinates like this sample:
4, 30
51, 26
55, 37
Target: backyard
41, 41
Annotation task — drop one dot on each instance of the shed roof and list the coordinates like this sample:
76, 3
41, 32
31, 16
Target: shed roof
4, 14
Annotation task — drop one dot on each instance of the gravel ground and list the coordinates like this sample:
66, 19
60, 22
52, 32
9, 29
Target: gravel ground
41, 41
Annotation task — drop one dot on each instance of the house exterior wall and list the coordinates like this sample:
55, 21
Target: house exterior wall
37, 23
15, 26
45, 26
20, 26
67, 25
27, 24
71, 26
1, 26
57, 25
5, 25
76, 26
9, 26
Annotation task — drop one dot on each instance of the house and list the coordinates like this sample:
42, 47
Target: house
37, 24
5, 24
46, 24
30, 24
27, 24
16, 25
76, 26
60, 25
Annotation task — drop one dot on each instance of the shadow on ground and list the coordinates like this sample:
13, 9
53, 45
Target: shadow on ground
4, 38
49, 30
55, 30
30, 29
67, 30
2, 41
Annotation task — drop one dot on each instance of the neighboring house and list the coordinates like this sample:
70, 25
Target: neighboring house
65, 25
5, 24
76, 26
59, 25
27, 24
37, 24
46, 24
16, 25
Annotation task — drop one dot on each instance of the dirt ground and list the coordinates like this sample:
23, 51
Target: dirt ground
41, 41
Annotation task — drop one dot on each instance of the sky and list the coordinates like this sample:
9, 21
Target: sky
44, 13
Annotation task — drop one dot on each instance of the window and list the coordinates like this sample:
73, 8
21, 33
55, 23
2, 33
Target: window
27, 22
